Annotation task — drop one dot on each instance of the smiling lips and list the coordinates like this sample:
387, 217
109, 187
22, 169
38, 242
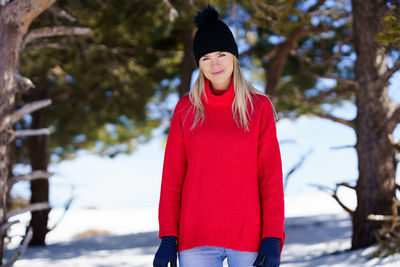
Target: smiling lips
218, 72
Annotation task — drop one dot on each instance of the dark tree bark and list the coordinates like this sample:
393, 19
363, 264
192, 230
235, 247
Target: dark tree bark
377, 157
188, 63
277, 63
39, 155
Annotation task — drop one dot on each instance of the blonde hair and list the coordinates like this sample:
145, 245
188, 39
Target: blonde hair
243, 91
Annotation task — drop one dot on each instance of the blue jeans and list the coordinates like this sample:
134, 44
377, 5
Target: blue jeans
210, 256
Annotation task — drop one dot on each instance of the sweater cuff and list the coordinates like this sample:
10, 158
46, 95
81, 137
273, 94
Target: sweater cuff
273, 230
168, 229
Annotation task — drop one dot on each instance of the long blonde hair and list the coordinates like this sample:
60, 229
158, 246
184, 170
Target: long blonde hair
243, 91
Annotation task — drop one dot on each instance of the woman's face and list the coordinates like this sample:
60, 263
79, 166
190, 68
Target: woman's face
217, 67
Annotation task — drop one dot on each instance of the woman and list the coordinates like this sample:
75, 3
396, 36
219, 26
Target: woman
221, 190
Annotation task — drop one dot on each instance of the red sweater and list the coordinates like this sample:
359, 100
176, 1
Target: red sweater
222, 186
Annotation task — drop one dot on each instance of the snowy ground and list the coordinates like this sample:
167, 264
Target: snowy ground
318, 233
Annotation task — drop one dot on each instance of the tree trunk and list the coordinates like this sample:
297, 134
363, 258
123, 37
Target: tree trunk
377, 158
39, 155
9, 43
188, 63
15, 18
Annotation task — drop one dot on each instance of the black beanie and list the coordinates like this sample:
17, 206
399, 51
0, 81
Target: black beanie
212, 35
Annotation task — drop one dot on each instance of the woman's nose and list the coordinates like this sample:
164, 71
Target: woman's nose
215, 61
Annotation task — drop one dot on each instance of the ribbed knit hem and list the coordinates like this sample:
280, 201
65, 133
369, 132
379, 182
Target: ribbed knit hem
237, 239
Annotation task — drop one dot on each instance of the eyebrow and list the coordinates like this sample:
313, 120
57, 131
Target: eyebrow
217, 53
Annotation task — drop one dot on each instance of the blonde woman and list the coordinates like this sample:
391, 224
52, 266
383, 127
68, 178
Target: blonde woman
221, 190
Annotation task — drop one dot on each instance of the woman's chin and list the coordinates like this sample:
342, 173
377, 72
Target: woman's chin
219, 79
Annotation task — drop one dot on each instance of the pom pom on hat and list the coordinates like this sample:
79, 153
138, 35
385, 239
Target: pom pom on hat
212, 34
207, 15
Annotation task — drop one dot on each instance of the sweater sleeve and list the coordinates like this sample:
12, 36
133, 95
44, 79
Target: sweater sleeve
173, 174
270, 177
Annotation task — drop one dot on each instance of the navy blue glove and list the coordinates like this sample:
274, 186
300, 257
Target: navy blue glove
166, 252
269, 253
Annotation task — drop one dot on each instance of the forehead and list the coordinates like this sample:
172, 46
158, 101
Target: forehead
213, 54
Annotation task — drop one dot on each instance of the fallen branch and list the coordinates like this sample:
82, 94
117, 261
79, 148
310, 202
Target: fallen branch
21, 248
7, 225
388, 235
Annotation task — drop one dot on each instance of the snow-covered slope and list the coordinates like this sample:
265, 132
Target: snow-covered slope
318, 233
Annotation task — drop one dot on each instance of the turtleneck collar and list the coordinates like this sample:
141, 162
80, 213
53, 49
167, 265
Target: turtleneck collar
222, 100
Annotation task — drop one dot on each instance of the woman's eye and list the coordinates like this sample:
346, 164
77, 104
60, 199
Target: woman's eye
221, 55
204, 59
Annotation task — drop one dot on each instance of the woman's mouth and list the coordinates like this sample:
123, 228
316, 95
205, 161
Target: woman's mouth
218, 72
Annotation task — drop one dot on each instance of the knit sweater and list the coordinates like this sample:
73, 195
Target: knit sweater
221, 185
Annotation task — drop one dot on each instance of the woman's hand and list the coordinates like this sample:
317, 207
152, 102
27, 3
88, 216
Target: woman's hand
166, 252
269, 253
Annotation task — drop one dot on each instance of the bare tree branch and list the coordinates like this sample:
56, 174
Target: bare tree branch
374, 217
341, 147
326, 61
173, 13
53, 31
295, 167
66, 208
23, 85
395, 143
30, 132
21, 248
325, 115
29, 177
350, 82
26, 109
333, 193
316, 6
43, 45
320, 97
389, 73
31, 207
394, 116
61, 13
346, 185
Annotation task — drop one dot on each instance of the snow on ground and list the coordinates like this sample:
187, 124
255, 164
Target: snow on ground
318, 233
